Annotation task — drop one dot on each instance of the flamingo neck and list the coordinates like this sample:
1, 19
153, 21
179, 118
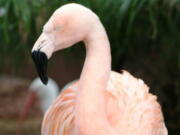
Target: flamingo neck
93, 81
97, 66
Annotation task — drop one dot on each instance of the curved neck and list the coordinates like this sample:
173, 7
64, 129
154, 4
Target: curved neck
97, 64
90, 103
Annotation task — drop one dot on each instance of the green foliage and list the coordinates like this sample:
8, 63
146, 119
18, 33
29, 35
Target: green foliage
126, 21
144, 36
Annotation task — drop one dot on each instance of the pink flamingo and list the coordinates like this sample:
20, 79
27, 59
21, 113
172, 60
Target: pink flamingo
102, 102
37, 90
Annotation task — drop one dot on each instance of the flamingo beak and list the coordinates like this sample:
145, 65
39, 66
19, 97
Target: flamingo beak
40, 59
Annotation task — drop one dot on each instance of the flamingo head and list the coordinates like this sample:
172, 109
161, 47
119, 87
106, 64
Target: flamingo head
68, 25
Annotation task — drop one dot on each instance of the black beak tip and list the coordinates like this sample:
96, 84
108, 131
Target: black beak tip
40, 60
44, 80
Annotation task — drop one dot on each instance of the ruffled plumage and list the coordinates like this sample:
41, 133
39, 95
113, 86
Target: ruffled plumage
130, 109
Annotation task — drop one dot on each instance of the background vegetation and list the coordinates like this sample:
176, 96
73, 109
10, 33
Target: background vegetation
144, 36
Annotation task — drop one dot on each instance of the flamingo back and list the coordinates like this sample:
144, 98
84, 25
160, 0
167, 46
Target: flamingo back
131, 109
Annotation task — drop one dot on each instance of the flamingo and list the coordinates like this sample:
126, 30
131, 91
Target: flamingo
101, 102
45, 94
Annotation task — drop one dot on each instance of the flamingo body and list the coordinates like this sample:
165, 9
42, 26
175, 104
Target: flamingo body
130, 108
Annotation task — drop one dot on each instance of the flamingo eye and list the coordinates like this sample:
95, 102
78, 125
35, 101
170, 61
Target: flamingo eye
57, 28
